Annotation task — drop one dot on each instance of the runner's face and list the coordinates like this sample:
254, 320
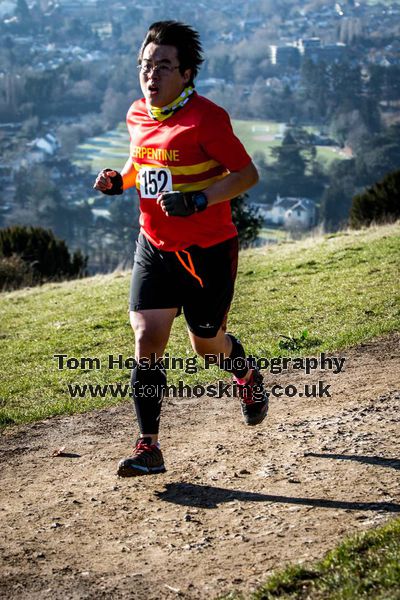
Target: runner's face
162, 86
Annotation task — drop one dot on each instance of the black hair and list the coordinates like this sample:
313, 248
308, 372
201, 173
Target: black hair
185, 39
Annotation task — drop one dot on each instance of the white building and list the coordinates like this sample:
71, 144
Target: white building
47, 144
300, 216
290, 212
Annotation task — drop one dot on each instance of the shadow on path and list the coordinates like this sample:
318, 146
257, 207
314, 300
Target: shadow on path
204, 496
393, 463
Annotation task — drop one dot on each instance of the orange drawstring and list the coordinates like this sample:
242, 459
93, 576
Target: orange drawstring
189, 268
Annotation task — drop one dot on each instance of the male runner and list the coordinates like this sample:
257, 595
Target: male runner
186, 164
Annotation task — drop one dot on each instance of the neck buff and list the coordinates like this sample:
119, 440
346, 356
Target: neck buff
160, 114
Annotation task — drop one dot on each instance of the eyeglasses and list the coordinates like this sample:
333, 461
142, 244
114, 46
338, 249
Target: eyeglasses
146, 69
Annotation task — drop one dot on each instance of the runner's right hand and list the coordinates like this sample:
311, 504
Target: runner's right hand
109, 182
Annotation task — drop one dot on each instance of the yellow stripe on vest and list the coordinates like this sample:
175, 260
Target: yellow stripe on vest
186, 170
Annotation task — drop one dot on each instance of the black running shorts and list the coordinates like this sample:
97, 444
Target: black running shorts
199, 281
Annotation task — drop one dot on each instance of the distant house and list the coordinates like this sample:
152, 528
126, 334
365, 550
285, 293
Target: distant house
39, 150
290, 212
47, 144
300, 215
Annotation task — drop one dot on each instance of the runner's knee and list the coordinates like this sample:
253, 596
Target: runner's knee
149, 336
219, 344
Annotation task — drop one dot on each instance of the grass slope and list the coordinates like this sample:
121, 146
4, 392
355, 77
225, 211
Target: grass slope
366, 566
342, 288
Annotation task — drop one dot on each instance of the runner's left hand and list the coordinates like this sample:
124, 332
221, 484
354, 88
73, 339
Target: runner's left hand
177, 204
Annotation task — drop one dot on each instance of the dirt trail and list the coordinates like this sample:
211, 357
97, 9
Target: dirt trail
234, 504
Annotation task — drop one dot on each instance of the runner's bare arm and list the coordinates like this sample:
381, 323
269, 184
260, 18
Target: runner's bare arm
179, 204
105, 179
128, 175
232, 185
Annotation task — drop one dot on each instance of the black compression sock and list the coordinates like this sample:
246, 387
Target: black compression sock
237, 361
148, 386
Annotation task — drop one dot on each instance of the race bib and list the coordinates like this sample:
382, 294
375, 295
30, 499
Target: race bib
154, 181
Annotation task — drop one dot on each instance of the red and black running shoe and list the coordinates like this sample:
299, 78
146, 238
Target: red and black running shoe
253, 398
147, 459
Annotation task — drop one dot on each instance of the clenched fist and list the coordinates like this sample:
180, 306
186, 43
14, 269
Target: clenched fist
109, 182
182, 204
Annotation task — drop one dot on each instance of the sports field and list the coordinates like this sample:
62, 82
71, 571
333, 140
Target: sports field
112, 148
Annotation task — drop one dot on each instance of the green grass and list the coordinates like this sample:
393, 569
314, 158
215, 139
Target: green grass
109, 150
343, 289
258, 135
327, 154
273, 233
112, 148
364, 567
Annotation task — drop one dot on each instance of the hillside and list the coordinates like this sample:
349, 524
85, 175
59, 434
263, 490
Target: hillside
236, 503
342, 289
